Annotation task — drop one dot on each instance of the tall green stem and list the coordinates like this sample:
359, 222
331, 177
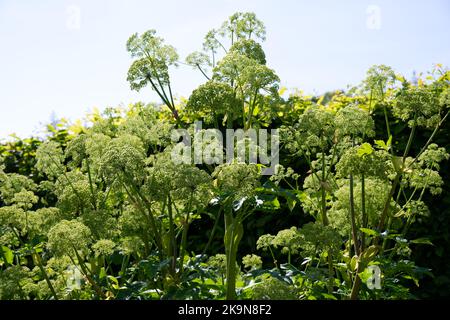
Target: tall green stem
431, 138
323, 190
363, 211
37, 257
172, 244
357, 282
85, 270
233, 235
91, 185
185, 232
397, 178
353, 217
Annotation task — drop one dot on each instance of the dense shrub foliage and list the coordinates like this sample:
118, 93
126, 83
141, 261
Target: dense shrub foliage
100, 211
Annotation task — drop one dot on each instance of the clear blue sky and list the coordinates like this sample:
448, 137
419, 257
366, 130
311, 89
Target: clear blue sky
50, 61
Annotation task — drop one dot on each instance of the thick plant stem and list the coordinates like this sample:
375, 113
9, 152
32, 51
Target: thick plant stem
397, 178
356, 284
357, 280
230, 257
37, 257
231, 275
147, 214
172, 246
203, 72
353, 217
325, 221
409, 143
275, 262
363, 211
91, 185
164, 98
431, 138
251, 107
323, 190
184, 241
44, 273
185, 233
330, 273
386, 119
324, 205
94, 285
389, 220
233, 235
385, 211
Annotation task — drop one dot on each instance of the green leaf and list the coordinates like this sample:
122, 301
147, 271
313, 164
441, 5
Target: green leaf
389, 142
354, 263
275, 203
8, 254
422, 241
291, 204
384, 145
328, 296
416, 281
369, 253
381, 144
400, 78
365, 275
369, 232
115, 283
102, 273
302, 196
365, 149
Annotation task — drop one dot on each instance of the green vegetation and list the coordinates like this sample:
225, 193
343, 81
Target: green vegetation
100, 211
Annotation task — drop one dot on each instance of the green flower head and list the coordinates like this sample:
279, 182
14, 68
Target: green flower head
67, 236
50, 159
354, 121
237, 179
418, 106
103, 247
252, 261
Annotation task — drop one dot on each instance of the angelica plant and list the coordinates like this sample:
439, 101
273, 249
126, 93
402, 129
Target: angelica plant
252, 261
271, 288
314, 135
152, 66
249, 79
355, 178
20, 222
242, 27
183, 192
236, 183
242, 69
73, 238
105, 210
214, 100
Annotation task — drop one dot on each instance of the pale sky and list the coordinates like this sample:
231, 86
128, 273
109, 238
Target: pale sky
68, 57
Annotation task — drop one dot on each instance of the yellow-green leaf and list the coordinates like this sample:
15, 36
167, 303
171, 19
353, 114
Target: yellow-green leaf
365, 149
8, 254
